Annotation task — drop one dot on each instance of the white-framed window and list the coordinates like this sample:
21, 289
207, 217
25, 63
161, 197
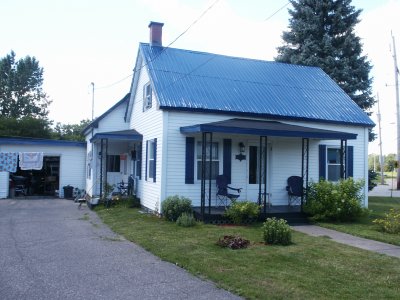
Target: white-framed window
150, 159
214, 160
333, 163
113, 163
147, 96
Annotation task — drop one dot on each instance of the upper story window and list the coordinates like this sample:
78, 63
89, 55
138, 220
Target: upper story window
333, 164
147, 96
214, 161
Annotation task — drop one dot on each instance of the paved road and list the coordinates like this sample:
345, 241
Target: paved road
51, 250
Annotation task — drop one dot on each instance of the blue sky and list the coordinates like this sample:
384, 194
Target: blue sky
82, 41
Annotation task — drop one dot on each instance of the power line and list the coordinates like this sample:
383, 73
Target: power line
180, 35
266, 19
213, 56
165, 48
115, 83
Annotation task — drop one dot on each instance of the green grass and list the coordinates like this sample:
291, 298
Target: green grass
364, 227
310, 268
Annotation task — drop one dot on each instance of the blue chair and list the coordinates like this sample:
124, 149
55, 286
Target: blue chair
223, 194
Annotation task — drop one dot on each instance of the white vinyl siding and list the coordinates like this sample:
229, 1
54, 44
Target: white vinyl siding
150, 124
285, 157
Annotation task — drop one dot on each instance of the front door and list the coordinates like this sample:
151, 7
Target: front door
254, 166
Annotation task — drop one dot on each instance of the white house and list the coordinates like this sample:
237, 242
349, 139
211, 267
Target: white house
254, 121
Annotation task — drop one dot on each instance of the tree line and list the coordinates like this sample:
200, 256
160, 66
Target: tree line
389, 162
24, 106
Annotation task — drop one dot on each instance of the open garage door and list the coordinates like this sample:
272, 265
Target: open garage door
44, 182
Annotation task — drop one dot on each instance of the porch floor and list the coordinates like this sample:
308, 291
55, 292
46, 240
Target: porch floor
292, 214
273, 209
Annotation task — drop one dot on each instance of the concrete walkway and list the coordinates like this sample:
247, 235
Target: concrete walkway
385, 190
351, 240
344, 238
51, 250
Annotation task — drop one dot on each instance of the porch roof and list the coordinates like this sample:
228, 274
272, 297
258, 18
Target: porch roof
130, 135
266, 128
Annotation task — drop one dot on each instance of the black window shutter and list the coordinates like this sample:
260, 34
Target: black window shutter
322, 162
146, 162
155, 160
139, 163
227, 159
189, 161
349, 162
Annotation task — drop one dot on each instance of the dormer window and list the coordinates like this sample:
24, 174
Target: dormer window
147, 97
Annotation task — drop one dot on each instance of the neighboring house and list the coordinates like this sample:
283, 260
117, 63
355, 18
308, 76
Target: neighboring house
63, 165
261, 121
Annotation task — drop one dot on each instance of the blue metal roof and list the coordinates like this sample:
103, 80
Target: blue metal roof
205, 82
266, 128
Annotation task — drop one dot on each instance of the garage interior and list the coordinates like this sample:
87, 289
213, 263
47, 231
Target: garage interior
44, 182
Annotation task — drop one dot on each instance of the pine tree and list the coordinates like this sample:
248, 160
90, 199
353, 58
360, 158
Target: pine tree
322, 34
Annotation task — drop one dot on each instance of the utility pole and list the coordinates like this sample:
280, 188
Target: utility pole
92, 100
380, 141
396, 83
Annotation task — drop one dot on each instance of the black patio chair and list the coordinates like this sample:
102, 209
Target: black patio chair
295, 190
223, 194
19, 183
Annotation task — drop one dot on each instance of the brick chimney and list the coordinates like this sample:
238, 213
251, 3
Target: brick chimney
156, 33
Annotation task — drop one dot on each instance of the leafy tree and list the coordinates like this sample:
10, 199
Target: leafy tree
72, 132
374, 162
390, 162
25, 127
321, 33
21, 93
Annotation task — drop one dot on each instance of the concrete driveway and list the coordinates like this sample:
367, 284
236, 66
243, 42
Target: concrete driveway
51, 250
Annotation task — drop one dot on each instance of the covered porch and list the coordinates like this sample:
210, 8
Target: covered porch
259, 158
117, 160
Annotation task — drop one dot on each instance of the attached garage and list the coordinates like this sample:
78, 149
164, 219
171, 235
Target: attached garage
63, 164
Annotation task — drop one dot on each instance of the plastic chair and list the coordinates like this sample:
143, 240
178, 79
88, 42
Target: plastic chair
223, 195
295, 190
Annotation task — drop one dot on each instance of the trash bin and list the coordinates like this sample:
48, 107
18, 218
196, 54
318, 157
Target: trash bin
68, 190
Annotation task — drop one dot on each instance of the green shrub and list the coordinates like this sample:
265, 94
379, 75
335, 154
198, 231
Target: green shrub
186, 220
372, 178
277, 232
241, 211
341, 201
233, 242
391, 222
173, 206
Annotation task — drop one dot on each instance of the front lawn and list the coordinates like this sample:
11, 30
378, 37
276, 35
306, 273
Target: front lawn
311, 268
364, 227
